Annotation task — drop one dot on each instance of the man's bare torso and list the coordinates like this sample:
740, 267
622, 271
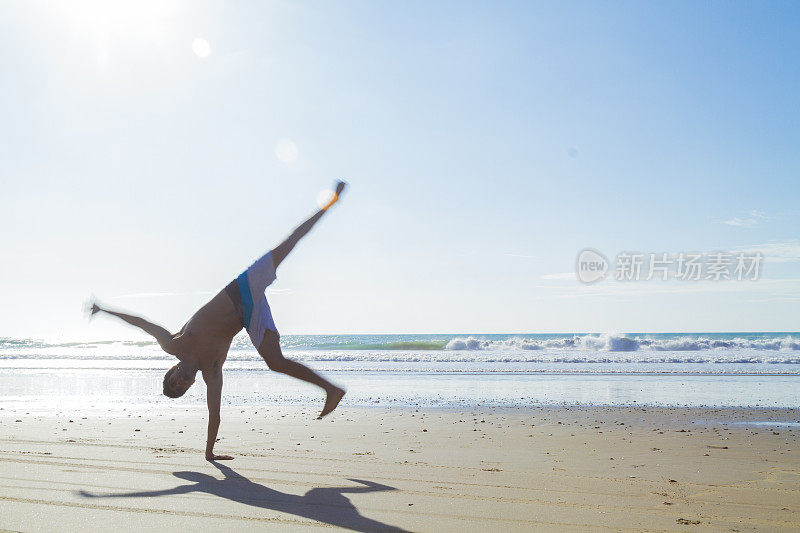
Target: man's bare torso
208, 334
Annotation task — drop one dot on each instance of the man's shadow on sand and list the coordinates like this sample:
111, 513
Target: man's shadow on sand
327, 505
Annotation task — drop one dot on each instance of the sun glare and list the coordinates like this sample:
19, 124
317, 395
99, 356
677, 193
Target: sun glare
110, 30
286, 150
109, 18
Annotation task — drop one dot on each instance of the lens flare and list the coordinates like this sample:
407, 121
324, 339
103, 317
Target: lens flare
286, 150
201, 48
324, 198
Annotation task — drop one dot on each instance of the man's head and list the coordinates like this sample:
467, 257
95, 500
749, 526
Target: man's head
177, 380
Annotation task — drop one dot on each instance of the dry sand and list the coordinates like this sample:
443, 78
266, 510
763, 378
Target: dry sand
549, 468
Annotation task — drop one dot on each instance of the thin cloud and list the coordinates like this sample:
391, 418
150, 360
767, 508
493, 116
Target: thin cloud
559, 276
740, 222
775, 252
753, 218
612, 289
790, 299
159, 294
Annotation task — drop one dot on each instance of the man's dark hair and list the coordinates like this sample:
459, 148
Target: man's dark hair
168, 390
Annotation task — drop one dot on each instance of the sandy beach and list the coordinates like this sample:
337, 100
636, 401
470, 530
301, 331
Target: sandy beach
370, 469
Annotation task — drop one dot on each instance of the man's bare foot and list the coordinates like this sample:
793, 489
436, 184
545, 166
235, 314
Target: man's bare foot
334, 397
340, 185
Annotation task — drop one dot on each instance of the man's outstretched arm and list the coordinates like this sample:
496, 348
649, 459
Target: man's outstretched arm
160, 333
213, 379
280, 252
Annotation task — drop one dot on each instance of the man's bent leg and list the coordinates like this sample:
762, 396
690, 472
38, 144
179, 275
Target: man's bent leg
270, 351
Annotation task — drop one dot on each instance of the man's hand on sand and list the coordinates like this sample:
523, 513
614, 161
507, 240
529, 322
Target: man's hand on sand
214, 457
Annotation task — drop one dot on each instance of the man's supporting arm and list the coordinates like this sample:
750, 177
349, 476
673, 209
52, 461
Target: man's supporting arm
213, 381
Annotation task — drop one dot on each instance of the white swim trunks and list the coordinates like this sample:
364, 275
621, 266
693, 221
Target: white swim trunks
247, 294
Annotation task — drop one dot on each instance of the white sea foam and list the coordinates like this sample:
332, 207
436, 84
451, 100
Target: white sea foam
694, 353
620, 343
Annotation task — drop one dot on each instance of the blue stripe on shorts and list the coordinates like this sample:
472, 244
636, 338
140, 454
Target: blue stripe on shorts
247, 298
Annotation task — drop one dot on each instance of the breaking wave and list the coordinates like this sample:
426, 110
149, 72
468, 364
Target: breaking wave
621, 343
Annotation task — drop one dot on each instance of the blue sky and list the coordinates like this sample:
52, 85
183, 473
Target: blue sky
485, 146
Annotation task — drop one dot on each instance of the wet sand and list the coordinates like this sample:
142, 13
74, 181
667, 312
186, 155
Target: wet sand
368, 469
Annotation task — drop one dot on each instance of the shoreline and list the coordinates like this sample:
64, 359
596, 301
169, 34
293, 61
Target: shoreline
50, 388
792, 414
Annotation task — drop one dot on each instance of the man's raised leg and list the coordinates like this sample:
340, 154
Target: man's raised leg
280, 252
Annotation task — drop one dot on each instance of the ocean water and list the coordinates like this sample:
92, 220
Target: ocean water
710, 369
